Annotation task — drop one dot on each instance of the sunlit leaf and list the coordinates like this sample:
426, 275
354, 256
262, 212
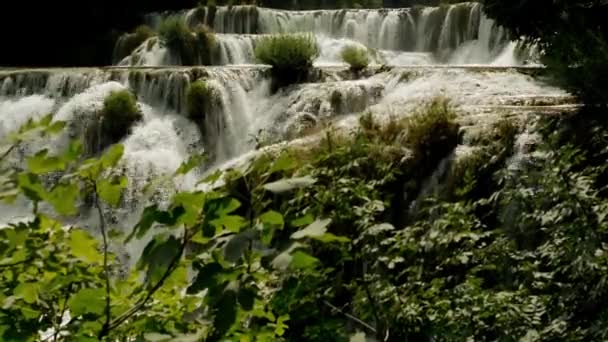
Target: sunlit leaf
63, 198
190, 164
280, 327
87, 301
232, 223
28, 291
112, 156
302, 260
84, 246
272, 218
314, 230
31, 186
41, 163
285, 162
286, 185
110, 190
303, 221
329, 237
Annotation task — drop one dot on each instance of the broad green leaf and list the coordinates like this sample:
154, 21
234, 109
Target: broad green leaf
41, 163
301, 260
282, 261
27, 291
111, 157
45, 120
272, 218
232, 223
225, 313
329, 237
157, 256
153, 215
90, 169
190, 164
205, 278
285, 162
56, 127
63, 198
87, 301
303, 221
193, 203
246, 297
237, 245
110, 190
74, 151
84, 246
314, 230
280, 327
286, 185
31, 187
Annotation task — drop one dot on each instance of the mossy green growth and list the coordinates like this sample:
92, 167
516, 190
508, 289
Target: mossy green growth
356, 57
290, 55
128, 42
200, 99
192, 46
120, 111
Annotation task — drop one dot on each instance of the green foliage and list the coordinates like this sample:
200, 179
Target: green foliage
192, 46
356, 57
323, 245
128, 42
200, 100
120, 111
290, 55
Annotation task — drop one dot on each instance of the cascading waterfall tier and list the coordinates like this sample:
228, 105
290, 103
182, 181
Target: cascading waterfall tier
459, 33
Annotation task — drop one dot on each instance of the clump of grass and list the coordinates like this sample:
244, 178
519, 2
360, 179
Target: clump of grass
128, 42
119, 113
192, 46
356, 57
200, 99
290, 55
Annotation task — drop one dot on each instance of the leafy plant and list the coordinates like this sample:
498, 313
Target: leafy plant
128, 42
356, 57
120, 111
290, 55
193, 47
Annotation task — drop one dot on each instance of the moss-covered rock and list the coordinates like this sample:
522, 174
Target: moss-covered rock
128, 42
356, 57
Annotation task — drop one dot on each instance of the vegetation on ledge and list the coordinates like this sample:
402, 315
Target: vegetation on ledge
290, 55
356, 57
193, 47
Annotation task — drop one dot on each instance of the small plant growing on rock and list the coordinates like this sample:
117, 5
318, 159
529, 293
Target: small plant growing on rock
193, 47
120, 111
199, 98
290, 55
128, 42
356, 57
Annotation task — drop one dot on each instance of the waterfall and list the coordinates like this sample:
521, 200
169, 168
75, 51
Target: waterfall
453, 34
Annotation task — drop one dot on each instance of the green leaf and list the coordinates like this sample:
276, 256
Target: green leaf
272, 218
205, 278
152, 215
303, 221
329, 237
232, 223
31, 187
280, 327
87, 301
40, 163
301, 260
84, 246
28, 291
157, 256
63, 198
315, 230
285, 162
286, 185
74, 151
246, 298
56, 127
110, 190
112, 156
190, 164
225, 313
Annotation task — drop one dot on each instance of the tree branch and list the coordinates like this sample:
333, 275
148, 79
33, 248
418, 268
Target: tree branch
172, 266
351, 317
102, 226
63, 308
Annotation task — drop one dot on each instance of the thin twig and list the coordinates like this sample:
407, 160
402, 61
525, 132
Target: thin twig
7, 152
63, 308
353, 318
172, 266
102, 225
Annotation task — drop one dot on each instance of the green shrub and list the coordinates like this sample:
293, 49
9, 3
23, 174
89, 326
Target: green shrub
356, 57
290, 55
120, 111
200, 99
192, 46
128, 42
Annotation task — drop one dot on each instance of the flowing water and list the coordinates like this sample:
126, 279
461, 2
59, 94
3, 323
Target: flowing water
452, 51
